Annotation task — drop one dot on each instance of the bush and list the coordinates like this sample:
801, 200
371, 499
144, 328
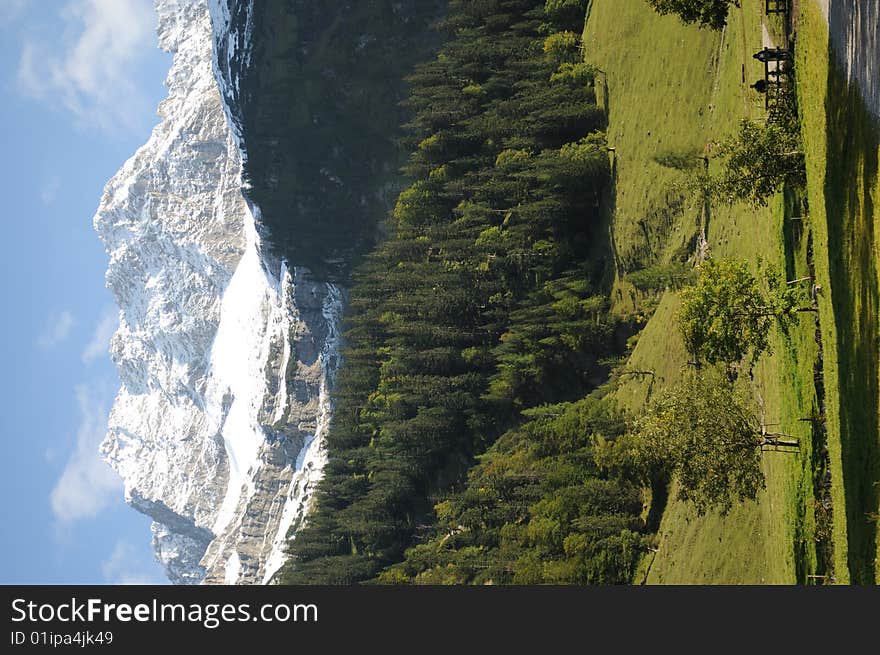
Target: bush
709, 13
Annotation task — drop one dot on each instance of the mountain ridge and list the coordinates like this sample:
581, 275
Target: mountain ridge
225, 354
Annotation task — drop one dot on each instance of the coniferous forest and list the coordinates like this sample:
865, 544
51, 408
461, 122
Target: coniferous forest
478, 333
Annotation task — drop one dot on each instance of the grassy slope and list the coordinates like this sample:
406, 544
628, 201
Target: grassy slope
675, 88
842, 146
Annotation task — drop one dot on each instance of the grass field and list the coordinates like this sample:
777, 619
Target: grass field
670, 90
842, 142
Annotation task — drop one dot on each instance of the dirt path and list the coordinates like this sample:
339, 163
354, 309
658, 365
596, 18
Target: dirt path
854, 29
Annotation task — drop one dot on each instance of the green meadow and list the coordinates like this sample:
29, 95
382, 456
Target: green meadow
670, 90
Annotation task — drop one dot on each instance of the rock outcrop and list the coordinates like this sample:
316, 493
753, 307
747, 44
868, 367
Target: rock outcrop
225, 355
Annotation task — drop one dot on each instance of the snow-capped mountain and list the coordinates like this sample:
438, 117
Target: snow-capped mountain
225, 354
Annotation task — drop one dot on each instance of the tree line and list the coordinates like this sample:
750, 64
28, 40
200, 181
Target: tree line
487, 299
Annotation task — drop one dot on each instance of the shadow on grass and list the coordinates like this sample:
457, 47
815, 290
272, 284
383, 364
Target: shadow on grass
852, 139
792, 228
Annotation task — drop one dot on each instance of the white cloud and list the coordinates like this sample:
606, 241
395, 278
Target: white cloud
57, 330
88, 70
87, 484
98, 344
122, 567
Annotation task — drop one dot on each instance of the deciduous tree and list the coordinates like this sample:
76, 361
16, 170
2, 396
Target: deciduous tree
711, 13
704, 433
728, 312
758, 160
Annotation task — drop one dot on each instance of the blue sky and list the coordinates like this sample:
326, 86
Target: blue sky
81, 80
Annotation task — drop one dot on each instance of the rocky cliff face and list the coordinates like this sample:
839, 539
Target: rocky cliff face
225, 354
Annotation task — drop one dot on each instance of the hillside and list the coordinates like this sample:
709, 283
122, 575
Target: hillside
804, 526
522, 315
